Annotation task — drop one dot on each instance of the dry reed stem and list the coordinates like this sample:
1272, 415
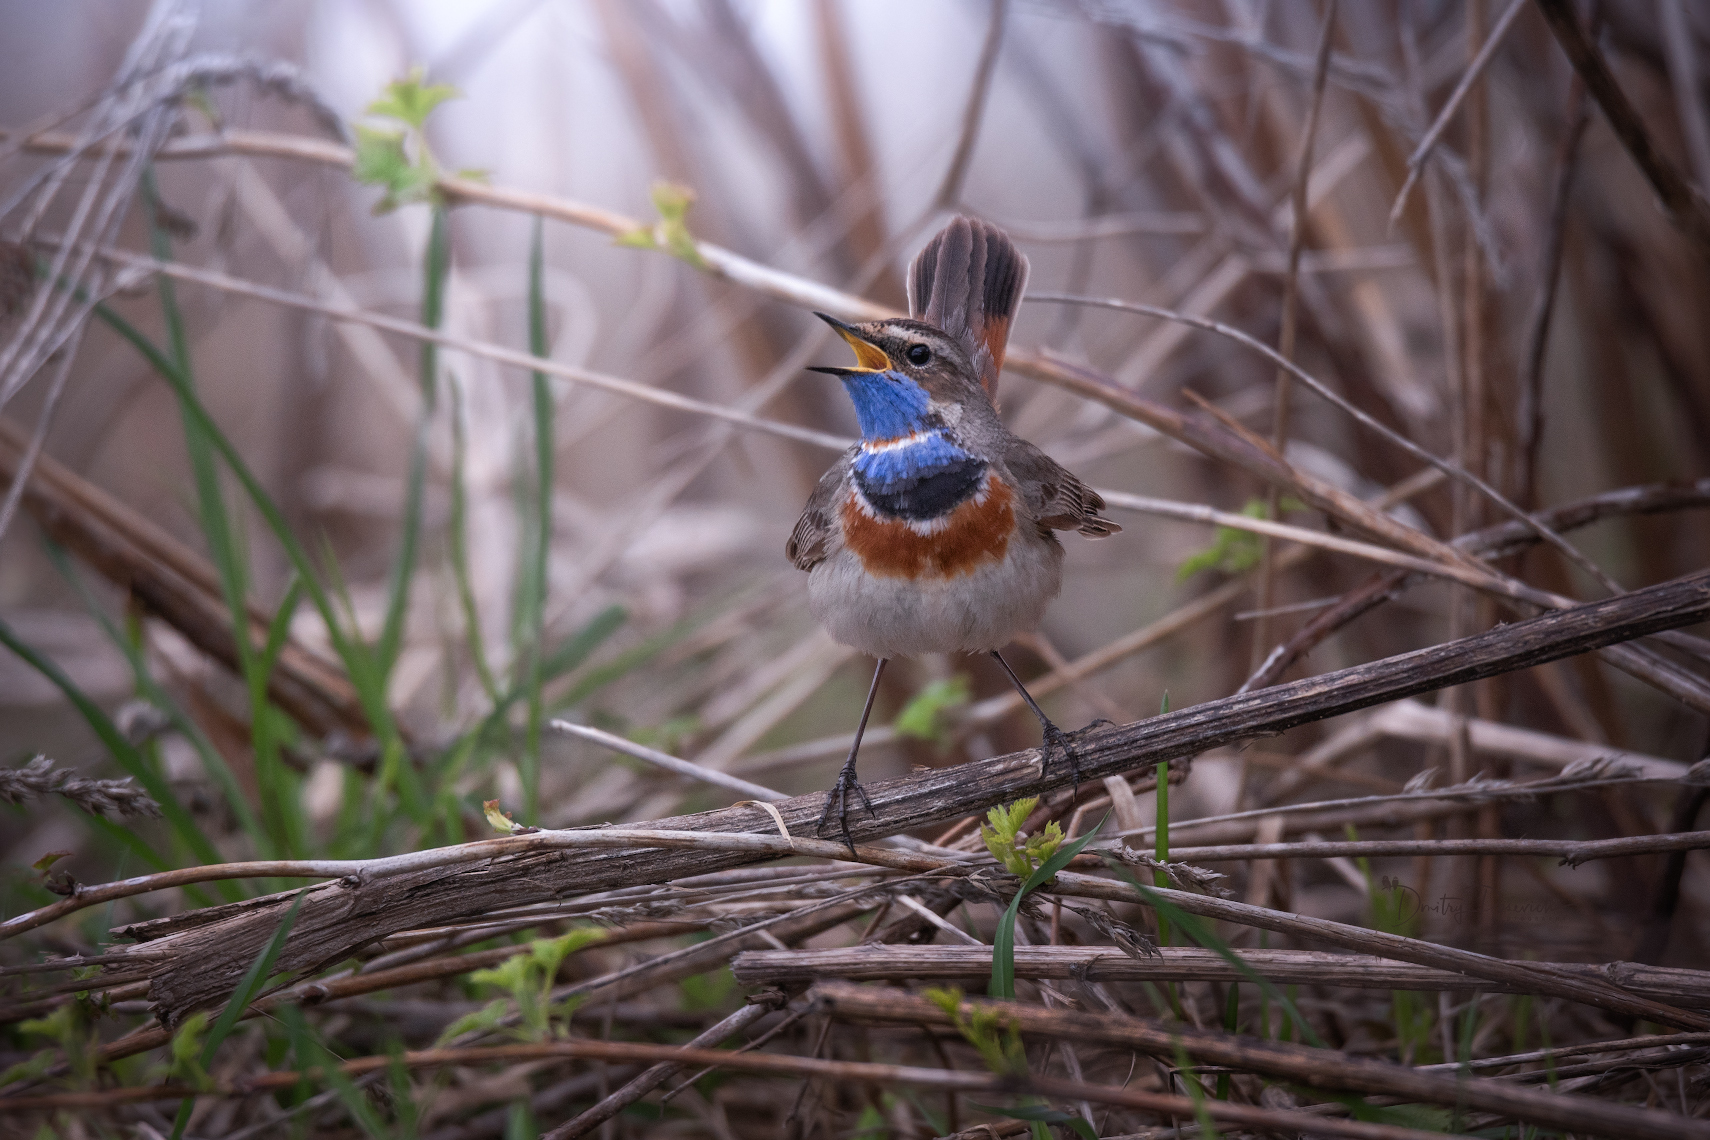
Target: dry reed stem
1321, 1068
1089, 964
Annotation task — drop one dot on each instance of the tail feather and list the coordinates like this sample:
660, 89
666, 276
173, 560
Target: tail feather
968, 281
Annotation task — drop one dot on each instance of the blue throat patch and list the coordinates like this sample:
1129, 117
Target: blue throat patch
888, 405
904, 468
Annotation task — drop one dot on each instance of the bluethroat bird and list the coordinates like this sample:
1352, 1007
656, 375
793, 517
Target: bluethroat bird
934, 534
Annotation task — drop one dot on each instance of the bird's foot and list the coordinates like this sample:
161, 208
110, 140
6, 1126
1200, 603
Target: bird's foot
838, 798
1056, 740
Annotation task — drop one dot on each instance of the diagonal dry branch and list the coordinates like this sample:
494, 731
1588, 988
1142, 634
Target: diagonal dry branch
199, 956
1685, 203
175, 584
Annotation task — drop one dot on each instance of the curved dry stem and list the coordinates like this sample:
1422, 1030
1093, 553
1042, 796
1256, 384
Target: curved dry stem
1452, 470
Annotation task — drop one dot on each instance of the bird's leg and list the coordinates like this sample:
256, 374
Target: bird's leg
839, 794
1054, 737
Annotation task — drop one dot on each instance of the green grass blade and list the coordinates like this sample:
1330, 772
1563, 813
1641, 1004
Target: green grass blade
534, 568
1003, 941
434, 274
226, 549
258, 973
356, 658
314, 1060
1207, 1127
459, 544
1040, 1115
565, 658
1206, 937
279, 629
128, 756
1002, 984
587, 639
1463, 1056
1231, 1024
599, 676
219, 772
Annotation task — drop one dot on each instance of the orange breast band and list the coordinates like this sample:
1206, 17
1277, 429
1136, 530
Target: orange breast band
975, 533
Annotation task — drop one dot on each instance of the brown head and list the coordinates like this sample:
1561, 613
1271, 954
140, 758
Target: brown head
909, 350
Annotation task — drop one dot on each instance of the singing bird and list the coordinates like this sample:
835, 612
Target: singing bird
934, 534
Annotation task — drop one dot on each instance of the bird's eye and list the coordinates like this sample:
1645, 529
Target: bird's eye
918, 354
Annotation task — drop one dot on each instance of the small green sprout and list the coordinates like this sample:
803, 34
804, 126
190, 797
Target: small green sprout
397, 158
499, 821
1020, 855
994, 1034
671, 232
1234, 551
186, 1051
528, 977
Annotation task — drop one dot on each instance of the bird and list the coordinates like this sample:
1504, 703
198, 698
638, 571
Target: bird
936, 533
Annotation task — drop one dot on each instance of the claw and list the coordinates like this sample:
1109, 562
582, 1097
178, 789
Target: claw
839, 796
1056, 738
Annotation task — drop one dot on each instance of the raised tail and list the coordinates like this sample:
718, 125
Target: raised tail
968, 281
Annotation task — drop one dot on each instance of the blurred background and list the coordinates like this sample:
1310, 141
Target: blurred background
1530, 310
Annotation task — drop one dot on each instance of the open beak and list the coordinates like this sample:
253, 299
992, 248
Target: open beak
869, 357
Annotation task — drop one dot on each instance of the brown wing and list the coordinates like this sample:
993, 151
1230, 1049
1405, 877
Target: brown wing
1057, 499
968, 281
810, 542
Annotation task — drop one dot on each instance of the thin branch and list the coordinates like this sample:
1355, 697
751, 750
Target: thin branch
1531, 410
1452, 470
1178, 223
1502, 540
1685, 204
1681, 49
1475, 791
591, 1118
527, 841
666, 761
1290, 313
516, 359
1194, 512
872, 963
1422, 153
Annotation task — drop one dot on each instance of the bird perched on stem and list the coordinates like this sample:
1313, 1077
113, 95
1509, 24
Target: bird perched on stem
934, 534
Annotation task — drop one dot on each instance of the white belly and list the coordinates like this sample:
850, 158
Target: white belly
969, 613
